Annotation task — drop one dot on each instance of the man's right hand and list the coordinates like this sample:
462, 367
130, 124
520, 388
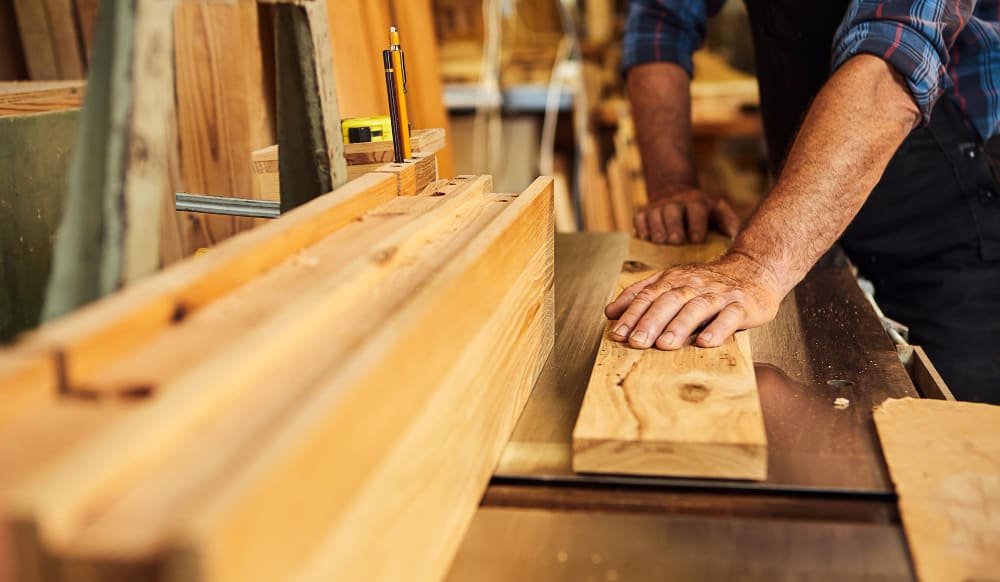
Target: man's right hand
684, 215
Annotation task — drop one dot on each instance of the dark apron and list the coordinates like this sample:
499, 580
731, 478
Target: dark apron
928, 237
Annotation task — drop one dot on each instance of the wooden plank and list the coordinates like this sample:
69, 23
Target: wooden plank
65, 38
412, 175
361, 159
89, 338
201, 391
925, 376
359, 32
944, 458
324, 266
492, 263
219, 112
12, 65
421, 140
86, 16
30, 382
36, 40
693, 412
424, 85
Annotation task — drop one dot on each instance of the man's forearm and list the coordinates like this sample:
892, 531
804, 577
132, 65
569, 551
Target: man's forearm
660, 94
852, 130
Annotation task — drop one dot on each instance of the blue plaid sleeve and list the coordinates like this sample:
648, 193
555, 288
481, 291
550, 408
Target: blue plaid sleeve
665, 31
915, 37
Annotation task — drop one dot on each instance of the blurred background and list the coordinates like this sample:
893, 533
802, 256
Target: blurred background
522, 88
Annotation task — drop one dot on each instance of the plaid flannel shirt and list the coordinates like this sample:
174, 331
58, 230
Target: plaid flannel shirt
938, 46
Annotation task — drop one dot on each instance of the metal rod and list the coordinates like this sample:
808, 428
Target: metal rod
228, 206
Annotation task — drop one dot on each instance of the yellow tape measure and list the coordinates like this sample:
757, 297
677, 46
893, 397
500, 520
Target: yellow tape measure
367, 129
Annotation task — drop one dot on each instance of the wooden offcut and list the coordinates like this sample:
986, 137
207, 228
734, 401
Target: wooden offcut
944, 459
692, 412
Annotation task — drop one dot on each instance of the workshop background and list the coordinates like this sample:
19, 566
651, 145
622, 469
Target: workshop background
265, 371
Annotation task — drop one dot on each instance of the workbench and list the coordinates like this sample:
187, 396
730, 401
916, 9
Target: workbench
826, 511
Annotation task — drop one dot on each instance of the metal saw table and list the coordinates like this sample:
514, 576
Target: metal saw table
826, 511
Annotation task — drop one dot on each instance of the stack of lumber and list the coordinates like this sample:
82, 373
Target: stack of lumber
626, 184
361, 159
692, 412
54, 36
321, 398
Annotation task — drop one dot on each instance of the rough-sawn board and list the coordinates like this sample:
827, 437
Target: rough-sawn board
693, 412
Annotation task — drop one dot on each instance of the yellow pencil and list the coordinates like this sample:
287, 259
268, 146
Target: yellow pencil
399, 64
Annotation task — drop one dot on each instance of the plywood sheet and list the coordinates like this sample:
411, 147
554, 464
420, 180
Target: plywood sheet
944, 458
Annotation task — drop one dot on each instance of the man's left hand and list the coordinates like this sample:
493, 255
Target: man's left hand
733, 293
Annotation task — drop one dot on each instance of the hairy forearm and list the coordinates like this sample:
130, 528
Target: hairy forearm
851, 132
660, 94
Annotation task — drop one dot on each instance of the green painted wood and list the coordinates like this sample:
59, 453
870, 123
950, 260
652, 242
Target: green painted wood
34, 159
312, 152
87, 257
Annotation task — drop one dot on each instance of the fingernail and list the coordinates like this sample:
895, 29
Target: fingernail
639, 337
706, 337
675, 239
621, 330
668, 338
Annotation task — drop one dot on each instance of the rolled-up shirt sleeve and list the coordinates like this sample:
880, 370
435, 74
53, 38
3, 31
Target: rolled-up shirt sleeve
915, 37
664, 31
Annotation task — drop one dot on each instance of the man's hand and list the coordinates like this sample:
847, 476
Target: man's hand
733, 293
685, 214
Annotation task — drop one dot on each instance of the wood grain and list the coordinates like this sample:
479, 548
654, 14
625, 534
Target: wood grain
281, 436
944, 458
692, 412
220, 112
89, 338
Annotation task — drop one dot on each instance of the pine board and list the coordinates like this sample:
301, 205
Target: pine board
693, 412
944, 458
88, 339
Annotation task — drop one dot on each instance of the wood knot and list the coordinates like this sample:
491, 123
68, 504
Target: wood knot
694, 392
384, 256
635, 267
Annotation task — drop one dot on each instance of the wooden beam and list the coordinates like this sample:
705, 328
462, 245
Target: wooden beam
505, 241
693, 412
326, 267
89, 338
944, 458
200, 391
26, 97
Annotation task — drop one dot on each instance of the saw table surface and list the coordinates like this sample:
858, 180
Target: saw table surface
826, 343
826, 511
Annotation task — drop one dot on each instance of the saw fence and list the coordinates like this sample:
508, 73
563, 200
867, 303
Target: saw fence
323, 397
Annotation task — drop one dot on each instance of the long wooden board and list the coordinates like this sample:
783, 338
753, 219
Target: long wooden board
86, 340
692, 412
944, 458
